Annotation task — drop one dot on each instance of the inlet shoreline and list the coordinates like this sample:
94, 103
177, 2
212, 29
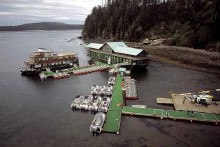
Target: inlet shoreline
190, 58
197, 59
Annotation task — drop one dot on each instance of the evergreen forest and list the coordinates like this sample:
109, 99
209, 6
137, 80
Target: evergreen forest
190, 23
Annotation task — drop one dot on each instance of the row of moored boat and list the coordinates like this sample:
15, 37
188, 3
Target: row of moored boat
66, 72
102, 90
91, 102
131, 89
90, 69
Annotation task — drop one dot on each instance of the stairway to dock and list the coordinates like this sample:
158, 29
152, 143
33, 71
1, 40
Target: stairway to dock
113, 119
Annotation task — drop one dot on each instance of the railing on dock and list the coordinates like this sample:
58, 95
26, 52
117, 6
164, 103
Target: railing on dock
173, 114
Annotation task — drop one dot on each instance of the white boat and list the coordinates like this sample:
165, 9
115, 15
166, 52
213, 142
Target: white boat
203, 99
102, 90
77, 101
109, 90
111, 81
87, 101
95, 104
97, 123
95, 89
104, 104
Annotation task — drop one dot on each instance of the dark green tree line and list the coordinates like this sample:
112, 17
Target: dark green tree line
193, 23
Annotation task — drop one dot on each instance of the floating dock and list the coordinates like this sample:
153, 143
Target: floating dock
75, 71
172, 114
168, 101
145, 112
113, 118
195, 116
181, 102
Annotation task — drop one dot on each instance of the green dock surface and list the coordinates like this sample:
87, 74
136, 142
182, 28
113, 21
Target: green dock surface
144, 112
172, 114
196, 116
113, 118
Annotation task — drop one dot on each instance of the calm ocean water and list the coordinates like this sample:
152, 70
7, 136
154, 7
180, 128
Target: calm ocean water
35, 113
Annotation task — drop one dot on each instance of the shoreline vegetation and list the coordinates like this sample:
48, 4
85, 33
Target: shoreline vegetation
197, 59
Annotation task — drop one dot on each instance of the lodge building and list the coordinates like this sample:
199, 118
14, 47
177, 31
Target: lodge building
118, 52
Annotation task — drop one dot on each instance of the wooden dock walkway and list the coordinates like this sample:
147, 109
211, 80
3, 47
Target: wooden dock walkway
113, 118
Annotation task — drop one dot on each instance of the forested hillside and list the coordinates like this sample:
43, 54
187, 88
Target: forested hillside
42, 26
191, 23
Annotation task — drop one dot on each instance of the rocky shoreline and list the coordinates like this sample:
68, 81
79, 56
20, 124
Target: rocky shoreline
186, 57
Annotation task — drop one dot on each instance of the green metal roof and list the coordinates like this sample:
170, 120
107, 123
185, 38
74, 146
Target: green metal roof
117, 47
95, 45
122, 69
128, 50
114, 45
121, 47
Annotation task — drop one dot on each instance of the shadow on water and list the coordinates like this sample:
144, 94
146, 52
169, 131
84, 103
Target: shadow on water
139, 74
34, 78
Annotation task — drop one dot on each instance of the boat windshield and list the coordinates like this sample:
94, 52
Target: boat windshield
97, 122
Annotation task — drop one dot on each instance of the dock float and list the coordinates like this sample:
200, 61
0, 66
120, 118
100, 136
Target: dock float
182, 102
74, 71
113, 118
172, 114
144, 112
165, 101
195, 116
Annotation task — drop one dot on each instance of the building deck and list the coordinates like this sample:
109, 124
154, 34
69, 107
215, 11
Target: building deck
181, 102
113, 118
165, 101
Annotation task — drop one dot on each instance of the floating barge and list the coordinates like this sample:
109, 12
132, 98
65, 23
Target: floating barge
44, 58
182, 102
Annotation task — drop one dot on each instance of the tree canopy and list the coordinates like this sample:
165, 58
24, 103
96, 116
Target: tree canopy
193, 23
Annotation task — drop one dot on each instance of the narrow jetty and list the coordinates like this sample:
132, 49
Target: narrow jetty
172, 114
74, 71
113, 119
151, 112
193, 116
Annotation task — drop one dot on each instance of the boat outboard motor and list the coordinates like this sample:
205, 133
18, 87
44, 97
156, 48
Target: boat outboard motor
98, 130
93, 132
